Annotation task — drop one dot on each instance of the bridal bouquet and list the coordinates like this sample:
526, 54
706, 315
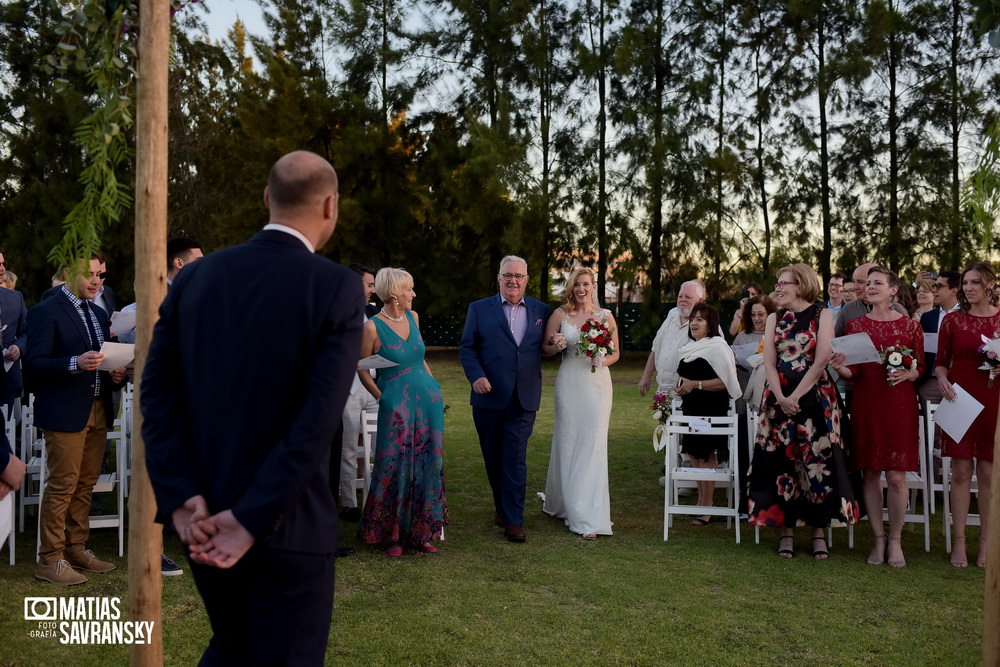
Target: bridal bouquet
991, 359
595, 339
662, 407
898, 358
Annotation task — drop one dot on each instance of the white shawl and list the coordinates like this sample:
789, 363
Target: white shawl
719, 356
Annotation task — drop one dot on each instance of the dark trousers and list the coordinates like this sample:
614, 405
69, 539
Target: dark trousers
503, 438
272, 608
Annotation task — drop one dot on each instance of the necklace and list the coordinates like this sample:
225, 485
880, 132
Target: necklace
390, 317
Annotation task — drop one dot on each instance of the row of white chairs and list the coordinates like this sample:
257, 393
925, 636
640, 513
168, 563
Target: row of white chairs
29, 442
923, 484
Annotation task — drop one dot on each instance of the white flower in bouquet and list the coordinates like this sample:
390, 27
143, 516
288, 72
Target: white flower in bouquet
896, 359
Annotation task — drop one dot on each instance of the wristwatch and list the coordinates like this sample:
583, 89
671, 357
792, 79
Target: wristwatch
699, 385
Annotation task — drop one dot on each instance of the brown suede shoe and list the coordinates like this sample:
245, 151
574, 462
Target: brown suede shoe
59, 573
515, 534
88, 562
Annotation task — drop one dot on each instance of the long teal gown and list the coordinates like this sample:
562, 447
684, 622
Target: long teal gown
407, 487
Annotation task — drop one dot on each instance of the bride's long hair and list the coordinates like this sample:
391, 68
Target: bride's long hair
568, 306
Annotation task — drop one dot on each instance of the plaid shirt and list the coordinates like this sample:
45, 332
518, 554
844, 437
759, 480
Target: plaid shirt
78, 304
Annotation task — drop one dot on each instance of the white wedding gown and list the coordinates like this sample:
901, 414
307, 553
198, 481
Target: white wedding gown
576, 488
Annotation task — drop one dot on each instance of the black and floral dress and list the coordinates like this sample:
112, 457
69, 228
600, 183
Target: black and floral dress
798, 476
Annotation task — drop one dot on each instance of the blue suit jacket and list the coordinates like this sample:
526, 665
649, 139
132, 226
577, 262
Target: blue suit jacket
13, 315
929, 324
62, 398
488, 350
248, 372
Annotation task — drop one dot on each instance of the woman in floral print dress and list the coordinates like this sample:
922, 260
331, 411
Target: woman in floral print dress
406, 502
798, 476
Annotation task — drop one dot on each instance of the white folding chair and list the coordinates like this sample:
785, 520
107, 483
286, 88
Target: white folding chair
726, 476
127, 414
369, 431
935, 483
10, 429
32, 450
973, 519
109, 482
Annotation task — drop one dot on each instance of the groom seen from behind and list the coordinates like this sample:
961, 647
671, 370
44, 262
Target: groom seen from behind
501, 354
239, 421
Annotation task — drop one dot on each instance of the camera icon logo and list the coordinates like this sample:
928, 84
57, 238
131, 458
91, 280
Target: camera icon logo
40, 609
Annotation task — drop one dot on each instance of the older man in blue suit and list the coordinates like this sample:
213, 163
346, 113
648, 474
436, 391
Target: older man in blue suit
501, 354
248, 372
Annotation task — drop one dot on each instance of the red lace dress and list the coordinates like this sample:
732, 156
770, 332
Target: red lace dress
884, 419
958, 351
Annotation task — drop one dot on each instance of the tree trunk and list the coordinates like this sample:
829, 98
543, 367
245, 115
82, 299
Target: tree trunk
893, 249
954, 259
656, 177
145, 538
602, 156
822, 87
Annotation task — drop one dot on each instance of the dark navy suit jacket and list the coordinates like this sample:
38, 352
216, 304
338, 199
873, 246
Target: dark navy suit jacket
248, 372
13, 315
63, 399
488, 350
929, 324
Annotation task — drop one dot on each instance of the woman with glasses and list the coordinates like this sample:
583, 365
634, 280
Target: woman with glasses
798, 476
959, 361
925, 298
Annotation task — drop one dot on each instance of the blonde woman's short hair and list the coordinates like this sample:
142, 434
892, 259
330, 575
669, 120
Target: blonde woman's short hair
390, 282
806, 279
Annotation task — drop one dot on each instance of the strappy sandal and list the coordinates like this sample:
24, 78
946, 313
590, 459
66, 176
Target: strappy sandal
877, 556
896, 563
701, 520
820, 554
786, 549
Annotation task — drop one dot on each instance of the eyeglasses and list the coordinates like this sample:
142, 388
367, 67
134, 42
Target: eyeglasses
936, 286
836, 285
784, 283
103, 275
514, 276
3, 264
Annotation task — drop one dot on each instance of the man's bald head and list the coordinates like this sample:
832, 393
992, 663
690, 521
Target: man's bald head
860, 274
302, 193
300, 179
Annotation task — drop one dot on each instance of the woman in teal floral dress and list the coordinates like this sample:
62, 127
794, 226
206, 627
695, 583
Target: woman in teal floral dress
406, 503
798, 476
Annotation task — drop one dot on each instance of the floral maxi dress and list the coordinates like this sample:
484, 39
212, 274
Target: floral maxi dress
406, 496
798, 475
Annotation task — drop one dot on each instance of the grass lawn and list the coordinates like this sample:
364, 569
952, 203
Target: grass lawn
557, 599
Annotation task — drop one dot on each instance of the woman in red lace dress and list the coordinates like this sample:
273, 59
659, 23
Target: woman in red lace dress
959, 361
883, 443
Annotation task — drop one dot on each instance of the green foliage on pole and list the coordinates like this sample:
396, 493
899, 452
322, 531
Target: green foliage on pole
95, 41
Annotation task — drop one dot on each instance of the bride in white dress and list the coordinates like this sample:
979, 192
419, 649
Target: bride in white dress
576, 488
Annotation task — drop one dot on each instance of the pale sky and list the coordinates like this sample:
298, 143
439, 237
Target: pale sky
223, 14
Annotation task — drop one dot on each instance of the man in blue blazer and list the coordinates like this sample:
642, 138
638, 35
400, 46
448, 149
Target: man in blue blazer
501, 353
945, 287
73, 409
13, 335
248, 372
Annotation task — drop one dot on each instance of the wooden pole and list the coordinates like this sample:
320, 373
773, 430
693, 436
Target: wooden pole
145, 538
991, 592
